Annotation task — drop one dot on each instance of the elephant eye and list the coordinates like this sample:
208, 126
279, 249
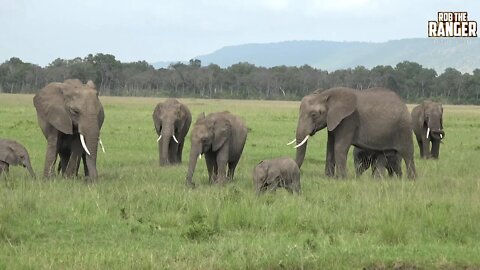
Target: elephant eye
74, 110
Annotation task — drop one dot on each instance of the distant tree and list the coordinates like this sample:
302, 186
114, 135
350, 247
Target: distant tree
242, 80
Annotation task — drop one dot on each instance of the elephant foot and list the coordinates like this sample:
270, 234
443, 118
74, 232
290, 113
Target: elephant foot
221, 181
190, 184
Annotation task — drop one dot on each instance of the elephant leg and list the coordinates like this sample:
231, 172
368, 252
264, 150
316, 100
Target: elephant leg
179, 151
85, 167
210, 161
420, 146
231, 169
390, 170
330, 158
343, 139
407, 155
74, 161
341, 151
378, 166
3, 167
64, 157
361, 165
296, 182
50, 156
397, 166
222, 159
426, 148
435, 148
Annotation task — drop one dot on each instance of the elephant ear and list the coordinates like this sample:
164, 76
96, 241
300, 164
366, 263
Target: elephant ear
156, 117
441, 117
101, 116
221, 133
7, 155
341, 103
263, 167
421, 113
50, 105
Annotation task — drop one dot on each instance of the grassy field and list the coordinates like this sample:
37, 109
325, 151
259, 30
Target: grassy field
141, 216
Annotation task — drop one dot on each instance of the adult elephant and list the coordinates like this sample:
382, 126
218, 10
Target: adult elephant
70, 116
373, 119
172, 121
221, 137
427, 120
12, 154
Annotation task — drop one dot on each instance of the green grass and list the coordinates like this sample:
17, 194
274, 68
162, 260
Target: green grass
141, 216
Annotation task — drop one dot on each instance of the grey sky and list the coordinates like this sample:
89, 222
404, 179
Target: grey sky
39, 31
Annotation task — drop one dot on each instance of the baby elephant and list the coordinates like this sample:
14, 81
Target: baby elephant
13, 153
276, 173
378, 160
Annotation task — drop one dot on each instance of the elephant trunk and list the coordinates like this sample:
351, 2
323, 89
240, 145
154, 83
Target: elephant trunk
164, 143
434, 128
301, 135
28, 165
194, 153
91, 133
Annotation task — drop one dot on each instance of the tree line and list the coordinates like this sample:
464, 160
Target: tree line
240, 81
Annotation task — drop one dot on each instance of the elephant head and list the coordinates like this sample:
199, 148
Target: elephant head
13, 153
209, 134
168, 118
72, 108
320, 110
265, 177
431, 115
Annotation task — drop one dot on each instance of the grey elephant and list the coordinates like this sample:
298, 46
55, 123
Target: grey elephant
172, 121
13, 153
427, 120
277, 173
221, 137
70, 116
379, 161
375, 119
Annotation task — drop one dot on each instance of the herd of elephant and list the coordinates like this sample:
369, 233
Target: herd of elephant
375, 121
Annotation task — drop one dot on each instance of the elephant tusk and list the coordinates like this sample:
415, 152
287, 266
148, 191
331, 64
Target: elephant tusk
441, 136
101, 144
304, 141
294, 140
174, 138
159, 137
428, 132
82, 140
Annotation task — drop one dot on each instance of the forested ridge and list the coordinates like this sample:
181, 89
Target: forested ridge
240, 81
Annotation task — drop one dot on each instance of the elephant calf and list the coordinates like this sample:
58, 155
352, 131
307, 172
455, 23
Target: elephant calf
277, 173
221, 137
13, 153
378, 160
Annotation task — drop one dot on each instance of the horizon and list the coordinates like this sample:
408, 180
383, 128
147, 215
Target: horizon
39, 32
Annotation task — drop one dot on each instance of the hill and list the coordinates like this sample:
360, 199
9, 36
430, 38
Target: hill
461, 54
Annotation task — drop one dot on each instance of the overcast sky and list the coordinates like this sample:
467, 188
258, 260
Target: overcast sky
39, 31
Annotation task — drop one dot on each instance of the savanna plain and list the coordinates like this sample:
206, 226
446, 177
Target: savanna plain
142, 216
